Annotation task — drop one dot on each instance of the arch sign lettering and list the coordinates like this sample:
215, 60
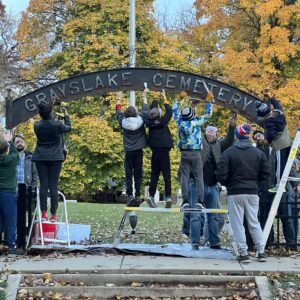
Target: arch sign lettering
91, 84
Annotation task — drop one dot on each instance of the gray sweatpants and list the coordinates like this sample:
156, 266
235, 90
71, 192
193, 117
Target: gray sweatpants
238, 206
191, 162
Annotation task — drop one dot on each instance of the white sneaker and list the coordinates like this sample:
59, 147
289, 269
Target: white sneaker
151, 202
168, 203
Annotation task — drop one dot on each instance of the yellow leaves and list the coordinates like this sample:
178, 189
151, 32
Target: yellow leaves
275, 43
267, 8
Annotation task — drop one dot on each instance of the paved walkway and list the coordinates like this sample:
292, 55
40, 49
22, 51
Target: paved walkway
144, 264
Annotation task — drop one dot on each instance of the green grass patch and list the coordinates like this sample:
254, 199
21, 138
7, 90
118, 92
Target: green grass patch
153, 228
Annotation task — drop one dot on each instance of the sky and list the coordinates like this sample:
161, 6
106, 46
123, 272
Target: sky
17, 6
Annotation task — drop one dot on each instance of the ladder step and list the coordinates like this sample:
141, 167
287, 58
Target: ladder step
53, 240
294, 179
49, 222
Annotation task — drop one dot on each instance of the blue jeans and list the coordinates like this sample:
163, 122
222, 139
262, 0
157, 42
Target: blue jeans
8, 211
212, 200
284, 213
192, 222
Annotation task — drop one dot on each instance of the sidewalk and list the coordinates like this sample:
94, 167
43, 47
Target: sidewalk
147, 264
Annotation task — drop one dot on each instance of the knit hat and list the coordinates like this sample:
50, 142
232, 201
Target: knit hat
262, 109
187, 113
130, 111
242, 132
154, 113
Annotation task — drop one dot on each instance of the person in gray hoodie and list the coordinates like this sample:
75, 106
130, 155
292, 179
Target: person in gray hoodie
240, 169
134, 140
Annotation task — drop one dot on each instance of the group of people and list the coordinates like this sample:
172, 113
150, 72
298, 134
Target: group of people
250, 172
18, 166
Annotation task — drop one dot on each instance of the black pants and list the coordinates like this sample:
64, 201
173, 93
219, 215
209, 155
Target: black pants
49, 174
160, 162
134, 167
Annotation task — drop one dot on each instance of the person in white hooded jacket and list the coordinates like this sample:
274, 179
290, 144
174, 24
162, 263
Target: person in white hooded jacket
134, 140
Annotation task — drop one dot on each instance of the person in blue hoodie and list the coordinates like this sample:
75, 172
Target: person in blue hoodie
190, 145
160, 142
134, 140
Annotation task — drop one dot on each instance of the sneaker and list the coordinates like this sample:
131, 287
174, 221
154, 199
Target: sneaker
262, 257
168, 203
53, 218
14, 251
130, 199
195, 247
44, 216
185, 236
134, 202
151, 202
243, 259
199, 205
185, 205
272, 190
215, 247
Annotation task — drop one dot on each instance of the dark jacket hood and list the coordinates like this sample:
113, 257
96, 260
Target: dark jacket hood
243, 144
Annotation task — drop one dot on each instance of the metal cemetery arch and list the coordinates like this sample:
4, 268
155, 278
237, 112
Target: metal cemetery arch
91, 84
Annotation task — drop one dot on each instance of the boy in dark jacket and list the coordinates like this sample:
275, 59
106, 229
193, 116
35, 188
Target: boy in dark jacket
240, 169
8, 180
160, 142
276, 131
134, 140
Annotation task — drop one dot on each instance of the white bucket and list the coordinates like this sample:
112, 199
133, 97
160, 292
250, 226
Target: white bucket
78, 232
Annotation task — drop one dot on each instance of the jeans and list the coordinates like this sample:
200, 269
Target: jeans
49, 174
284, 213
192, 222
8, 211
296, 213
210, 229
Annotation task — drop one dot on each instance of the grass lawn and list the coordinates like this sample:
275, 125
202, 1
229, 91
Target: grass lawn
154, 228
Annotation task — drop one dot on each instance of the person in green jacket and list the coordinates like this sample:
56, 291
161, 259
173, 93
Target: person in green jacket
8, 180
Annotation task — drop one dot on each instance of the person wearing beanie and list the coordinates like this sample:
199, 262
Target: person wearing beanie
190, 145
276, 132
134, 140
160, 142
213, 147
240, 169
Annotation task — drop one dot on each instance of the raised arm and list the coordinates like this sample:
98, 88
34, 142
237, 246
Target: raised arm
66, 126
168, 114
228, 140
176, 107
119, 112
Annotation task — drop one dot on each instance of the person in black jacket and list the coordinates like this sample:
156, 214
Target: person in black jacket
240, 169
48, 154
160, 142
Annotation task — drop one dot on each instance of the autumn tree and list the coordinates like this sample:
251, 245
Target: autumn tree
253, 45
62, 38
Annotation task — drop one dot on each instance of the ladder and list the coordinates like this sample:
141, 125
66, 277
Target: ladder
129, 210
39, 232
281, 187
